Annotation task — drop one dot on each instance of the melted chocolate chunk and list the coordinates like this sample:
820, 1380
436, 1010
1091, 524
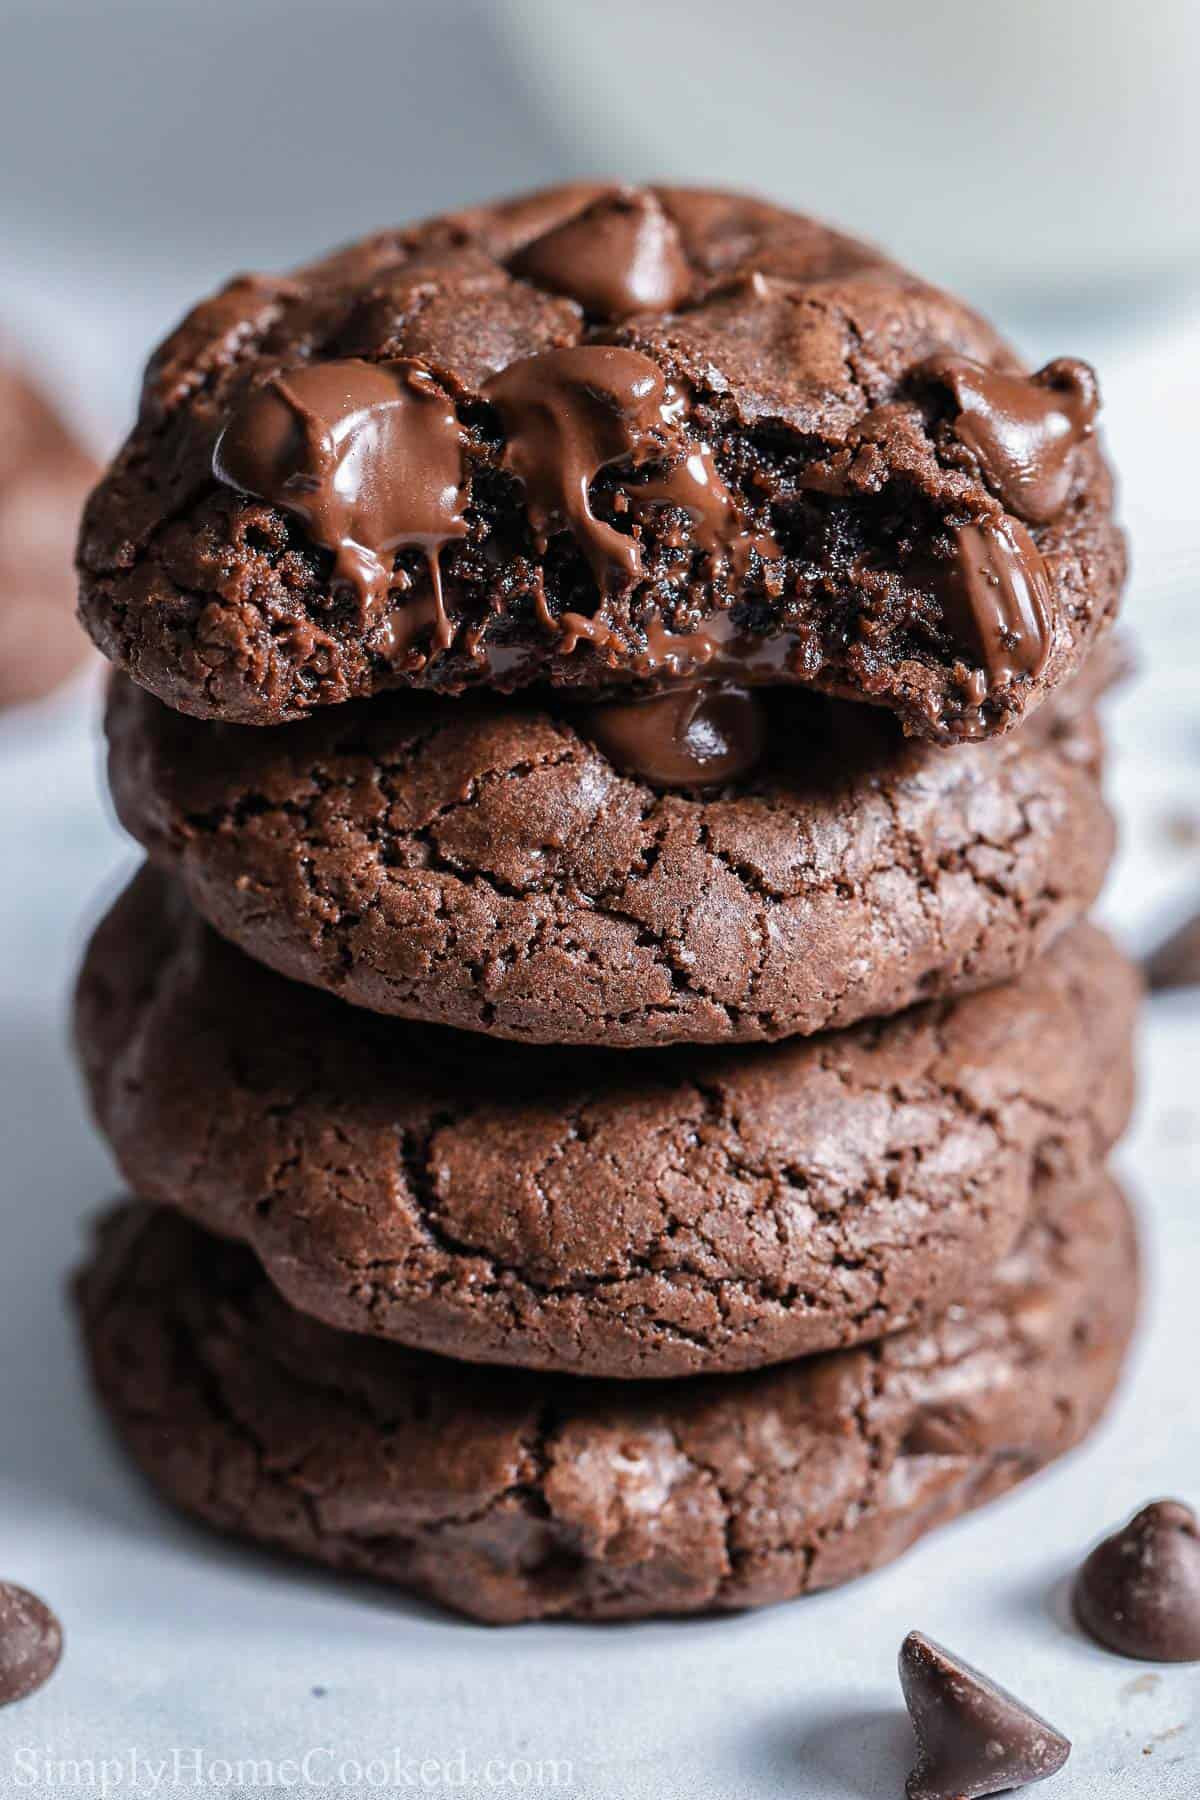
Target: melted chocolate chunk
721, 649
30, 1643
369, 456
688, 737
995, 597
622, 255
973, 1737
567, 415
1022, 428
1138, 1593
716, 525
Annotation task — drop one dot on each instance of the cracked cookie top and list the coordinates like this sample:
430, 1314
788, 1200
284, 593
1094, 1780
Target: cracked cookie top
588, 1211
609, 439
482, 863
510, 1496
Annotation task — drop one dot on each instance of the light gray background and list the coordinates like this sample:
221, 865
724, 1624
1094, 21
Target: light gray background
144, 151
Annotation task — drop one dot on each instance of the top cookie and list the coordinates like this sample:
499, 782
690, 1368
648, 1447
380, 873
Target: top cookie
598, 437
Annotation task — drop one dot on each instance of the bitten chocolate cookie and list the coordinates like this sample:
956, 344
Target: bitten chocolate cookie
587, 1212
489, 866
510, 1496
44, 478
596, 437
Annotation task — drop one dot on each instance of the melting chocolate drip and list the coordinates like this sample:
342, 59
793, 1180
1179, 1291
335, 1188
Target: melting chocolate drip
696, 488
568, 414
1022, 428
622, 255
369, 456
1138, 1593
995, 597
722, 649
973, 1738
30, 1642
689, 737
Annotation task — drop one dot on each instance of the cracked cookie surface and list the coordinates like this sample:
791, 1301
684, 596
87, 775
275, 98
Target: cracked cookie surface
484, 865
628, 434
582, 1211
511, 1496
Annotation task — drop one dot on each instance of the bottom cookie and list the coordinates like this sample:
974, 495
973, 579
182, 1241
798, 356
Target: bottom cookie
513, 1496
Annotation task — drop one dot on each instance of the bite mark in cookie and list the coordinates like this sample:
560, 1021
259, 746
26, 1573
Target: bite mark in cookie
693, 426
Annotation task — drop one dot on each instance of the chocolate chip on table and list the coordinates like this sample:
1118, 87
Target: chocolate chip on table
1176, 961
973, 1737
1138, 1593
30, 1643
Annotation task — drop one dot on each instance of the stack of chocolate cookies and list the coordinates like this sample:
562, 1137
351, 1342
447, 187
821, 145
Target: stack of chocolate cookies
606, 1044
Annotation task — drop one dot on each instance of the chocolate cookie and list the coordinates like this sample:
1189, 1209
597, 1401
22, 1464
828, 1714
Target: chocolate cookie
486, 865
44, 478
587, 1212
512, 1496
597, 437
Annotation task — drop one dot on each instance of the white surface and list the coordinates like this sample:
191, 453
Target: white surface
176, 1641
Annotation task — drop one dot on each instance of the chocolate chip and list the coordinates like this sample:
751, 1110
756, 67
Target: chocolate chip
973, 1738
1139, 1591
1176, 961
30, 1642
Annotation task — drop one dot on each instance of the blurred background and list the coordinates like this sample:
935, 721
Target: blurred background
1039, 155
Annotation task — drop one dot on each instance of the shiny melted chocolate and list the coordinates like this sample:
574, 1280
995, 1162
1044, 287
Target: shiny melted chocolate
1022, 428
995, 597
369, 456
714, 516
621, 255
567, 414
700, 736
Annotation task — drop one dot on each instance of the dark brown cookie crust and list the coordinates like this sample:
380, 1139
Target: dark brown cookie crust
797, 351
510, 1496
482, 865
44, 477
588, 1212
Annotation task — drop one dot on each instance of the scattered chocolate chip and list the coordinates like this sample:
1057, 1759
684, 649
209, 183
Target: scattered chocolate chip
1176, 962
973, 1738
1139, 1591
30, 1643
